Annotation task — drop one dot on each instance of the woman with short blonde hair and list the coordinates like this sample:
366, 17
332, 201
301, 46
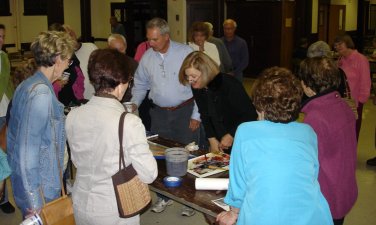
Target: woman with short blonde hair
209, 69
36, 132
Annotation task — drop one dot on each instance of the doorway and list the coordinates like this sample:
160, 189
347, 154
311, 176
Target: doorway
206, 11
322, 23
134, 14
337, 15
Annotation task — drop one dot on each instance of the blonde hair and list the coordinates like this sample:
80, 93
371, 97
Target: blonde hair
50, 44
203, 63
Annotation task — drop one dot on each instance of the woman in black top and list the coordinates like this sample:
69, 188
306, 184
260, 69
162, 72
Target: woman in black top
222, 100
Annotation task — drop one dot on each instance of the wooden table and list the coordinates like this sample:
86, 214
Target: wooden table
187, 194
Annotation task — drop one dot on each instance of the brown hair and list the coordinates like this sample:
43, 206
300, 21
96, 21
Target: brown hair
319, 74
24, 71
278, 94
203, 63
198, 27
107, 68
345, 38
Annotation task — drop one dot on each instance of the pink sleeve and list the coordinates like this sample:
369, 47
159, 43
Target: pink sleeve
78, 86
57, 88
365, 80
141, 49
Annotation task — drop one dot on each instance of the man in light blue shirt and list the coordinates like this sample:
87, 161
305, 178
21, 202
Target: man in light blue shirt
174, 114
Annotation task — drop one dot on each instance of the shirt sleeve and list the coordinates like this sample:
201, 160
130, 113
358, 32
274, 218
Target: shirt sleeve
244, 58
137, 149
226, 58
237, 185
195, 113
141, 83
30, 147
365, 80
216, 55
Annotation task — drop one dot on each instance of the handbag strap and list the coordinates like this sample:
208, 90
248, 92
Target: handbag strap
347, 91
121, 128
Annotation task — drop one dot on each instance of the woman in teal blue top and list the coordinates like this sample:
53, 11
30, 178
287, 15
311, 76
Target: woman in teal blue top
274, 163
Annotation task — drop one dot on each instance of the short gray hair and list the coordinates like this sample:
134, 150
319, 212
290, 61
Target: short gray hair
318, 49
230, 21
116, 37
159, 23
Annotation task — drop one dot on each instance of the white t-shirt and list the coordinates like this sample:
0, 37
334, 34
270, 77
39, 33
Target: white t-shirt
209, 49
83, 55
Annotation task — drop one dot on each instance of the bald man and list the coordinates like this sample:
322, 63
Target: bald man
118, 42
237, 48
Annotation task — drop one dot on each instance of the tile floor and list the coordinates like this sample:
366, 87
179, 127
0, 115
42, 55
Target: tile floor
363, 213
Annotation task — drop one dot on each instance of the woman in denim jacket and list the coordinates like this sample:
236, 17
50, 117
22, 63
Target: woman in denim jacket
35, 135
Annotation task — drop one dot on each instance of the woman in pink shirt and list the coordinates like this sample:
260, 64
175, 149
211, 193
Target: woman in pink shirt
334, 123
356, 68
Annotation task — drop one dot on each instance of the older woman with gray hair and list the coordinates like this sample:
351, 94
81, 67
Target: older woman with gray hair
318, 49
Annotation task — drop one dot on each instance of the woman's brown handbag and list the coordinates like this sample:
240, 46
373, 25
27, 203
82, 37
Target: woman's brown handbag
132, 195
58, 212
350, 102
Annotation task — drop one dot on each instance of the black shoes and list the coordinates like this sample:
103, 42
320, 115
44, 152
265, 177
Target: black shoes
7, 208
371, 162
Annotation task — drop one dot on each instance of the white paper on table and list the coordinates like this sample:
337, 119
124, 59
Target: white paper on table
211, 183
220, 202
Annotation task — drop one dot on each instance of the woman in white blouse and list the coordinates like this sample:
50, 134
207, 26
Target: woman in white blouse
92, 132
199, 33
